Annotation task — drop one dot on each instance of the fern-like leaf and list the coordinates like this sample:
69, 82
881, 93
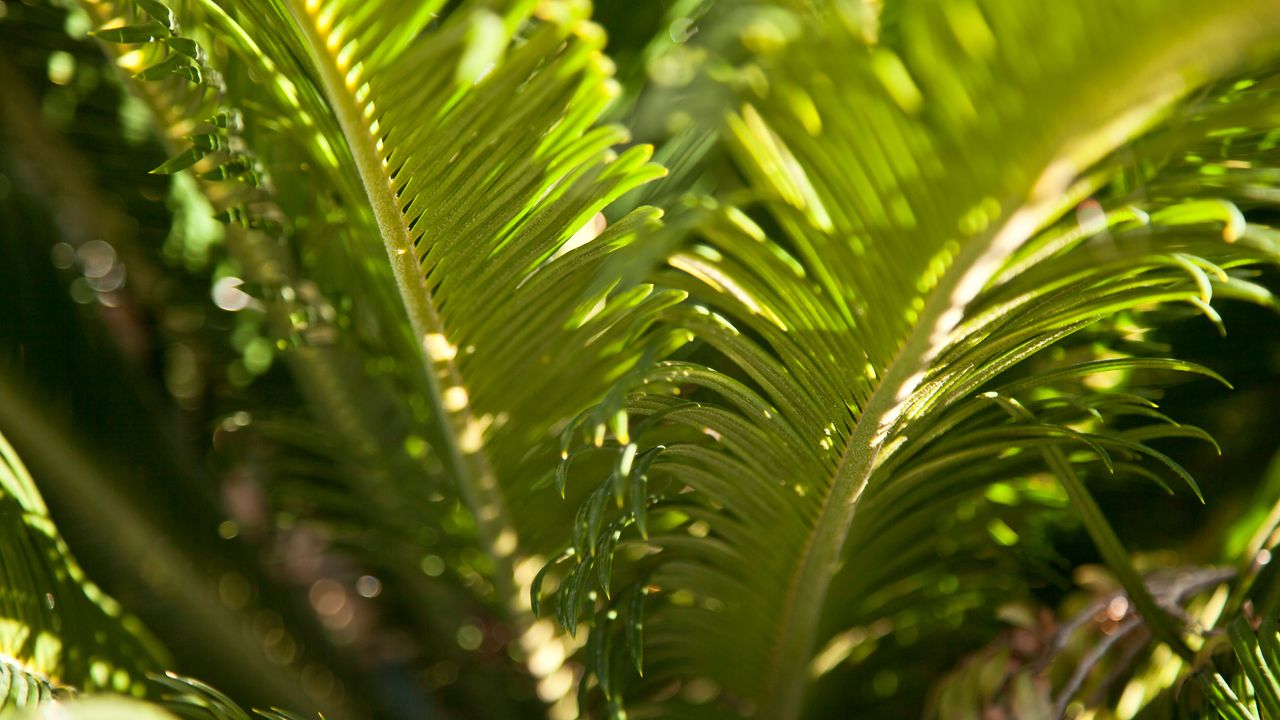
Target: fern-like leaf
908, 313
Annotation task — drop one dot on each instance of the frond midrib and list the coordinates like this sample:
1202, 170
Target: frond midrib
467, 465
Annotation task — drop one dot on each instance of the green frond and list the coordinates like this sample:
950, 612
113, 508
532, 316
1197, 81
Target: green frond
471, 212
21, 688
837, 409
904, 314
57, 630
489, 213
100, 708
191, 699
182, 698
462, 142
371, 438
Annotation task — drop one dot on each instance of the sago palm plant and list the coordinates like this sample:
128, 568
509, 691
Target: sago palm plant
777, 422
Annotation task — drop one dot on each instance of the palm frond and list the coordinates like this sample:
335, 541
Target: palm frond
411, 136
185, 697
899, 329
550, 186
101, 708
25, 689
481, 225
56, 628
189, 698
908, 313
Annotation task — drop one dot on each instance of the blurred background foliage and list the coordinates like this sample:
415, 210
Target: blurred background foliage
141, 385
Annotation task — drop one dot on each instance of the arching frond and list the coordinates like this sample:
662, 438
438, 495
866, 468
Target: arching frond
457, 143
58, 632
471, 212
194, 700
951, 253
101, 708
182, 698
